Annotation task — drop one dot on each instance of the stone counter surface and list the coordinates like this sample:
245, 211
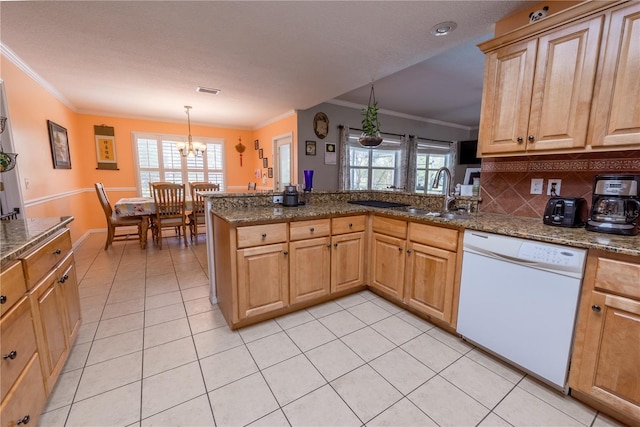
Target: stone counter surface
19, 235
528, 228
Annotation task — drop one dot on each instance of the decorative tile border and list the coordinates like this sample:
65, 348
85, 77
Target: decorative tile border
558, 165
578, 165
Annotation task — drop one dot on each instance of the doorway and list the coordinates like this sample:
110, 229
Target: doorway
283, 162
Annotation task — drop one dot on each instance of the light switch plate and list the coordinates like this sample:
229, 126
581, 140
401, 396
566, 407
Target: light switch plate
536, 186
554, 184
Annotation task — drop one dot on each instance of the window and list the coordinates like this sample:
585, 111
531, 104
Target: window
374, 168
430, 158
158, 159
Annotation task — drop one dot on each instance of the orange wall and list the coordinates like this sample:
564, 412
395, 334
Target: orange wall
60, 192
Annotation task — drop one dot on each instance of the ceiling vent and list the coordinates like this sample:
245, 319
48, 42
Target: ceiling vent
207, 90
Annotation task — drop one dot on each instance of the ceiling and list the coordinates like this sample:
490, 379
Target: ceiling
144, 59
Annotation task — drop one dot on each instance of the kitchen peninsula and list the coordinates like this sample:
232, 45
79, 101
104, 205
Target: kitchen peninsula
267, 260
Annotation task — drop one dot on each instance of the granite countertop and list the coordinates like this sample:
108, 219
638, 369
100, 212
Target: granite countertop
19, 235
529, 228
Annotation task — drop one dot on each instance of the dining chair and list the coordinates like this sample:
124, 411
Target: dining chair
114, 221
196, 217
170, 205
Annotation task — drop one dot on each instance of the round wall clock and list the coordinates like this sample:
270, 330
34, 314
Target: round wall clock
321, 125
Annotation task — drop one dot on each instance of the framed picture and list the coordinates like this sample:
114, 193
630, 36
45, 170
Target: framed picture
59, 146
321, 125
471, 173
270, 172
310, 148
106, 149
330, 156
265, 162
256, 144
260, 153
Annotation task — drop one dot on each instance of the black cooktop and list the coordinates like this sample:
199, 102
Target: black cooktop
378, 203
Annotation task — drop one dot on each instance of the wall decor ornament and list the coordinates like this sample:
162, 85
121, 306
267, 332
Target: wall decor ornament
270, 170
321, 125
260, 153
105, 147
240, 149
265, 162
59, 146
310, 148
256, 144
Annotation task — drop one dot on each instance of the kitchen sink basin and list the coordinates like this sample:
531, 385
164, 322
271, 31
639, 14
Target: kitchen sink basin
453, 215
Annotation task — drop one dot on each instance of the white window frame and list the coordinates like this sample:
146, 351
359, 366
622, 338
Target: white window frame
435, 150
163, 171
386, 145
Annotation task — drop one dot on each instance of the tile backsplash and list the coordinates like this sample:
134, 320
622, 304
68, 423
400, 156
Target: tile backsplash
506, 181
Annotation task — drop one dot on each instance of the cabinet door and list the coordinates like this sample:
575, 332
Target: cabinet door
506, 98
263, 280
387, 264
47, 307
27, 398
69, 286
430, 280
617, 117
563, 86
309, 269
610, 368
347, 261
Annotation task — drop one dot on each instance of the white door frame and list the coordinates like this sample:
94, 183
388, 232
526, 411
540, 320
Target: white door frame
12, 194
286, 138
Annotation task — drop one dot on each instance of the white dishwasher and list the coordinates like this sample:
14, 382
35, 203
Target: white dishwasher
518, 300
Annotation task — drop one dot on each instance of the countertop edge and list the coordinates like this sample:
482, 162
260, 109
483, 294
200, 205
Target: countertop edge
34, 241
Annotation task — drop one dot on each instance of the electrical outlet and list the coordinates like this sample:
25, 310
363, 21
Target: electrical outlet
536, 186
553, 187
277, 199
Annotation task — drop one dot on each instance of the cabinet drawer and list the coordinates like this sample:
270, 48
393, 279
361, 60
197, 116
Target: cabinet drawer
18, 343
27, 398
255, 235
300, 230
38, 262
430, 235
390, 227
348, 224
618, 276
12, 285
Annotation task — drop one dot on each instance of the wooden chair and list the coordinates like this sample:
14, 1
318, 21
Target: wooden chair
196, 217
114, 222
170, 205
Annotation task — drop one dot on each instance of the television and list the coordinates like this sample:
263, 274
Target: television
467, 153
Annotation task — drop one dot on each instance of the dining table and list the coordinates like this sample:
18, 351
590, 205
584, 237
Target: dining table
144, 207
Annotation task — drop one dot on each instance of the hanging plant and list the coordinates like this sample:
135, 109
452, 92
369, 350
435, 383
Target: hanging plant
370, 125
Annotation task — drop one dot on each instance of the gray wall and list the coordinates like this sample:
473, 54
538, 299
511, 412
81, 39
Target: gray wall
326, 176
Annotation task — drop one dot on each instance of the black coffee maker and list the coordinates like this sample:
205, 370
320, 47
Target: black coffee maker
615, 205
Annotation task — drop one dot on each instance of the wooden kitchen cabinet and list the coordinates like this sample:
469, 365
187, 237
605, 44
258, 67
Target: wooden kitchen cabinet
616, 118
55, 303
26, 400
348, 244
537, 91
430, 270
388, 246
263, 279
604, 369
309, 260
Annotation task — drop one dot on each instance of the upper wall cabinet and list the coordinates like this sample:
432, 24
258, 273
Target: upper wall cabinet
539, 83
616, 118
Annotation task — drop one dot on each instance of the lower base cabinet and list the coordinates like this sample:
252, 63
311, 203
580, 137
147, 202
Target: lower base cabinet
606, 359
263, 279
27, 398
309, 269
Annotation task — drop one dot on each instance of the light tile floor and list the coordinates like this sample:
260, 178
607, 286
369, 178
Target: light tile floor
153, 351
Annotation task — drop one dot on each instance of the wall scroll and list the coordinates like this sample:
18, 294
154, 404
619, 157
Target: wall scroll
105, 147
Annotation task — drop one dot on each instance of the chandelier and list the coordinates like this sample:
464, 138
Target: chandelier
190, 148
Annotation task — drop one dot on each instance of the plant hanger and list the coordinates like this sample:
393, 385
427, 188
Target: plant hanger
7, 160
370, 124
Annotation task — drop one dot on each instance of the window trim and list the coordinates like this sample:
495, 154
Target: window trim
184, 169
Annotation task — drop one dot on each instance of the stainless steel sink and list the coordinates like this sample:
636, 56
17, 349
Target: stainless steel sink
452, 215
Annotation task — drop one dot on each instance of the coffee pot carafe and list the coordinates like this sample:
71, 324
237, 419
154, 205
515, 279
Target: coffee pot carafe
615, 205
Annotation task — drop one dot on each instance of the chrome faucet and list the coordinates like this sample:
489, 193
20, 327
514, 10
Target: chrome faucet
449, 194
